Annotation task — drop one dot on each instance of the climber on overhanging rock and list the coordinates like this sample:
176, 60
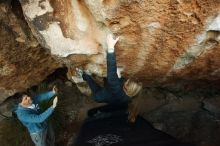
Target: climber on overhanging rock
31, 116
115, 91
109, 124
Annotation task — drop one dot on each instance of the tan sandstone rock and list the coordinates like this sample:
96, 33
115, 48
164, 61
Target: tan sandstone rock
161, 41
23, 62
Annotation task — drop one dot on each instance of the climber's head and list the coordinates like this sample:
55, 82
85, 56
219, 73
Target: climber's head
132, 88
25, 100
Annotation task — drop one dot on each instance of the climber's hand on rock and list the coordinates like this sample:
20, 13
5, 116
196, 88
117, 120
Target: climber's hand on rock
79, 72
55, 100
55, 89
111, 42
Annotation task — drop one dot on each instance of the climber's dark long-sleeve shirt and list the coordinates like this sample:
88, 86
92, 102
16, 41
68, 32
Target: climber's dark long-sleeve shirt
112, 92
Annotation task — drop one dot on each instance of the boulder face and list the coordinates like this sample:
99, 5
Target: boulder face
161, 41
23, 62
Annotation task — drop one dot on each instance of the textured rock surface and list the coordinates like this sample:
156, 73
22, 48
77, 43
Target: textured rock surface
212, 104
23, 63
161, 41
165, 43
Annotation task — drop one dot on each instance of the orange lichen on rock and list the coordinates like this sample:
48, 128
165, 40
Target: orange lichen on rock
159, 40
